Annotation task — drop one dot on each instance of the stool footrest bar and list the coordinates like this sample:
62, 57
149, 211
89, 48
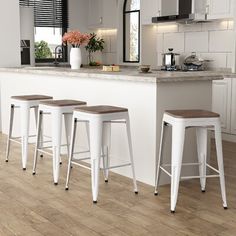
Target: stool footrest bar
81, 165
118, 166
200, 177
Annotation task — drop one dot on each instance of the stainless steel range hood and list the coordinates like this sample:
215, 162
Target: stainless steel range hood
185, 12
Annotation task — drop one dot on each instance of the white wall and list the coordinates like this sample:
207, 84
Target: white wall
10, 34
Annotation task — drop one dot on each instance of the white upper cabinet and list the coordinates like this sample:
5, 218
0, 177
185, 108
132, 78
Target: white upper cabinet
102, 14
220, 9
215, 9
149, 9
169, 7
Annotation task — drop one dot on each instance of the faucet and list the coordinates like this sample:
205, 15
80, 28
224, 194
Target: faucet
58, 52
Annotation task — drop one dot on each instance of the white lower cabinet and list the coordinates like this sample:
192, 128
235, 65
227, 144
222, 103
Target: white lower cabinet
224, 103
233, 107
221, 102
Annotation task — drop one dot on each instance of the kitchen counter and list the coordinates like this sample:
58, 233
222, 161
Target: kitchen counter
146, 96
127, 74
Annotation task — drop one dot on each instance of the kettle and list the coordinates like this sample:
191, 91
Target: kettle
169, 60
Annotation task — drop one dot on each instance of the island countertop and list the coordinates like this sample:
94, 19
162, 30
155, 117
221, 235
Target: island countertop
125, 74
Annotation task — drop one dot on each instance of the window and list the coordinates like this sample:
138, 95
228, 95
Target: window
131, 31
51, 22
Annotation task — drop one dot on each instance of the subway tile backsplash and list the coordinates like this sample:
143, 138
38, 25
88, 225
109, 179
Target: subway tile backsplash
213, 41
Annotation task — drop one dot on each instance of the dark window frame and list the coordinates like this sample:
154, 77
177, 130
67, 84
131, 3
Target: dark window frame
125, 12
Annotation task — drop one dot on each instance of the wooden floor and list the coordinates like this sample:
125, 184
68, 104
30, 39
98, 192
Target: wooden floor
32, 205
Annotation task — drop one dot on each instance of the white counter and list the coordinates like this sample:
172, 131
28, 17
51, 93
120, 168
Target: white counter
145, 95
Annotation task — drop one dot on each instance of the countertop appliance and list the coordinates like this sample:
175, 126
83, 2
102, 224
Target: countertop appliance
169, 60
194, 63
184, 12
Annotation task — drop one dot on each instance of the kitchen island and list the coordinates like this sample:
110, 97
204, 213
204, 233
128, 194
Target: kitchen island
146, 96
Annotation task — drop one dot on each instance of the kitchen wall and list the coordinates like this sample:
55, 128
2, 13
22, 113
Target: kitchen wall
214, 41
10, 34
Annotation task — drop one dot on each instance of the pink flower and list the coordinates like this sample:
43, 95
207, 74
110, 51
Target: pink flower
76, 38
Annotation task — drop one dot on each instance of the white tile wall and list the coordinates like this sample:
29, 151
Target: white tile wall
196, 42
213, 40
109, 54
221, 41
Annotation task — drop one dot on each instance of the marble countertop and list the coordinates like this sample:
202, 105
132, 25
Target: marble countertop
125, 74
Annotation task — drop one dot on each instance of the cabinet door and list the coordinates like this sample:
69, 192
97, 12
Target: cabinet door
221, 102
109, 14
219, 9
233, 107
169, 7
149, 10
95, 13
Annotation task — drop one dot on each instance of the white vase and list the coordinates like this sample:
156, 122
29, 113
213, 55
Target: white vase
75, 58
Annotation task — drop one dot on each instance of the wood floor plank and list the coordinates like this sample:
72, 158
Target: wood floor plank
32, 205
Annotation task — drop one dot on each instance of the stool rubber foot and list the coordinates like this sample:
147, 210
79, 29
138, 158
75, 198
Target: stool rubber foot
41, 155
66, 188
95, 202
34, 173
23, 169
106, 180
225, 208
60, 163
203, 191
172, 212
55, 183
71, 167
136, 192
6, 160
156, 193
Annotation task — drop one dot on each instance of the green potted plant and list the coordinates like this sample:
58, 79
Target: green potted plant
95, 44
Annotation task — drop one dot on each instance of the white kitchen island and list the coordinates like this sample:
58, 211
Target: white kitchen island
146, 96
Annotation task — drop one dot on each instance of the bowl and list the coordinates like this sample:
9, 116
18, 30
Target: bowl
144, 68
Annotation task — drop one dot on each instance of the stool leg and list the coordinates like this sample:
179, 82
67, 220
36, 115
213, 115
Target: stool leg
95, 127
41, 131
201, 134
159, 161
37, 145
71, 151
68, 122
178, 136
10, 131
106, 149
25, 115
56, 143
219, 152
131, 153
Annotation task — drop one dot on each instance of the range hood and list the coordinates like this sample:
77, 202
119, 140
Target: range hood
186, 13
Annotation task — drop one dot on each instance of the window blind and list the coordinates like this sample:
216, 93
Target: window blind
48, 13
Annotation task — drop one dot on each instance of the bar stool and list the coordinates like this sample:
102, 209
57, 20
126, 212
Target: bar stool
180, 120
24, 103
57, 109
98, 116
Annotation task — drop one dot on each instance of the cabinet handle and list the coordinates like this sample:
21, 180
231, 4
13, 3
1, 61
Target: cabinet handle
101, 19
159, 13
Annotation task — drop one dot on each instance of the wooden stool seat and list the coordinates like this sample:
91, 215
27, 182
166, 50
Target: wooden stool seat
31, 97
191, 114
63, 103
101, 109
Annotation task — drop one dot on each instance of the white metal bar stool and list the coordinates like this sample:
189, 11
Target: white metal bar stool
98, 117
24, 103
180, 120
57, 109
